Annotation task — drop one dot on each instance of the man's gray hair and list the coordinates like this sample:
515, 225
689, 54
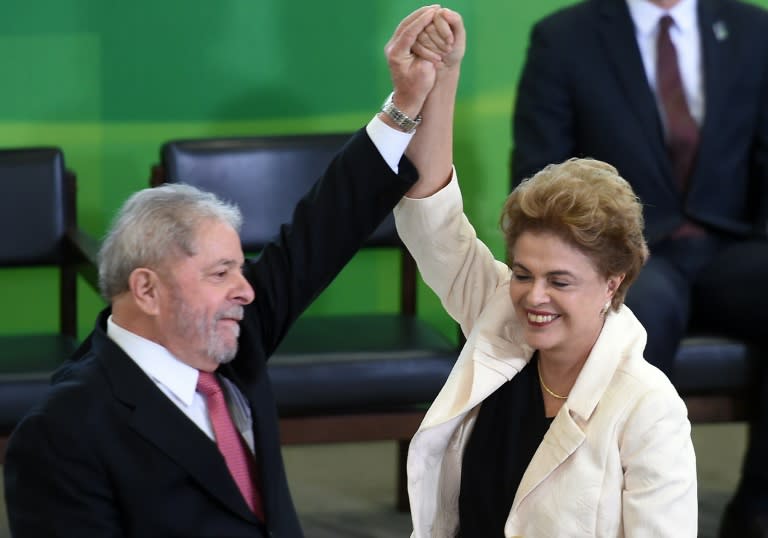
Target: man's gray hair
153, 225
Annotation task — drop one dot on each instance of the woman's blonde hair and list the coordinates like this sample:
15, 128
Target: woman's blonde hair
589, 205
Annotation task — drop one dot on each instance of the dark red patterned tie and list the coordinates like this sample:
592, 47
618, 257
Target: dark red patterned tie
682, 131
239, 460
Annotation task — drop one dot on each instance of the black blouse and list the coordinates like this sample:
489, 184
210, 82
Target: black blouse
509, 428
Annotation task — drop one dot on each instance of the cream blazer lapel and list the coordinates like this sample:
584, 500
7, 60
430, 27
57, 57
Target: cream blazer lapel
494, 354
621, 337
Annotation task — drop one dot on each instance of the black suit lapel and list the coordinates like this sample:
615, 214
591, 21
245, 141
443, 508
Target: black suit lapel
715, 46
617, 35
161, 423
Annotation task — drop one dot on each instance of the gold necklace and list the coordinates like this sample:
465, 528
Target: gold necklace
544, 385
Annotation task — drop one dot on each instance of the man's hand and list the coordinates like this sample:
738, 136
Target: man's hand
413, 75
444, 37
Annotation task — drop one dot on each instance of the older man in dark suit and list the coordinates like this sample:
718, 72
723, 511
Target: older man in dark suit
164, 424
674, 93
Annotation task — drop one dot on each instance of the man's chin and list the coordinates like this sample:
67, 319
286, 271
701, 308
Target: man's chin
225, 359
223, 354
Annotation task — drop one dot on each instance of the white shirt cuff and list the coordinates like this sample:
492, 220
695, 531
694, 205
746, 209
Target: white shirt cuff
390, 142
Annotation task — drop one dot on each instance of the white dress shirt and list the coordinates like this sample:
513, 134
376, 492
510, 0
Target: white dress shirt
684, 34
390, 142
178, 381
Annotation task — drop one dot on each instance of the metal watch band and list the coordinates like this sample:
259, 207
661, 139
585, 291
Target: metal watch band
400, 119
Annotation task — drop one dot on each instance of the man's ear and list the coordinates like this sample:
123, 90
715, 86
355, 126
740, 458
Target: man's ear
144, 285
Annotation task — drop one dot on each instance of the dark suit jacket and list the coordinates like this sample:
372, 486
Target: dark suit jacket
108, 454
584, 93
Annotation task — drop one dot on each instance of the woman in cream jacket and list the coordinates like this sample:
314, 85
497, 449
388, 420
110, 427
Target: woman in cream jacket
551, 423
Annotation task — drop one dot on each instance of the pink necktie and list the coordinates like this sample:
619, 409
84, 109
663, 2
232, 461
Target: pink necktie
682, 131
239, 460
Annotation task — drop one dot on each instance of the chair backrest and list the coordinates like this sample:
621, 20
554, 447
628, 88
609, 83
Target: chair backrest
36, 206
266, 177
37, 209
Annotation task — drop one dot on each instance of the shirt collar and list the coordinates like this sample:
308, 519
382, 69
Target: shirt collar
646, 15
156, 361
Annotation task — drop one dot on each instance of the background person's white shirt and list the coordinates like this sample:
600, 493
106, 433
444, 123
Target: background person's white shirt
684, 34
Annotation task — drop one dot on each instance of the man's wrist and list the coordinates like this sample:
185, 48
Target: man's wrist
394, 117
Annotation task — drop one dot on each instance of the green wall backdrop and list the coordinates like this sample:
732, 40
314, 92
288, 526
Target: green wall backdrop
110, 81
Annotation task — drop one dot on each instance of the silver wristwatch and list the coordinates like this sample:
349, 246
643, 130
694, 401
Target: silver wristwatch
405, 123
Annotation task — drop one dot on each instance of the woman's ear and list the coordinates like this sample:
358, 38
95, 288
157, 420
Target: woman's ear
613, 284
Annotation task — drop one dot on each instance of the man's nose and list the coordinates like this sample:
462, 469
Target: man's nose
244, 293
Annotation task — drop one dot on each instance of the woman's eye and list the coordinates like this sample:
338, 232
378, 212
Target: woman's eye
521, 278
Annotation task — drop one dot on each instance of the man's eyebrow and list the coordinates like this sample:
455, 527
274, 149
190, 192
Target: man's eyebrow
229, 262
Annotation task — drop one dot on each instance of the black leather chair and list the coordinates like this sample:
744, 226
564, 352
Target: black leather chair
340, 378
716, 377
38, 228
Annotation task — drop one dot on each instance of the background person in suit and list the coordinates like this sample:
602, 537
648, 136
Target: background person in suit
164, 423
679, 105
551, 422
